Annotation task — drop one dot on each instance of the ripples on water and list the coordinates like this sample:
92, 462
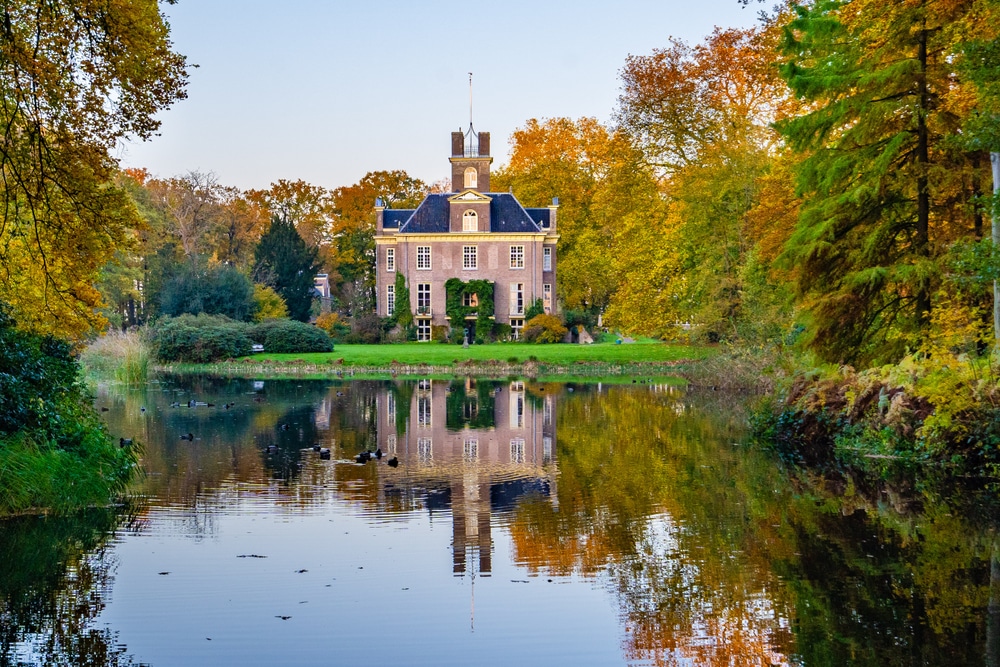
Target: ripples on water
526, 524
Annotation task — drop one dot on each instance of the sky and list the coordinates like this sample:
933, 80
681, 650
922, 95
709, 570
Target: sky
328, 91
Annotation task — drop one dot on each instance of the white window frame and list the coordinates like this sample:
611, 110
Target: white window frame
425, 451
423, 330
516, 306
424, 299
470, 449
516, 325
424, 410
517, 450
546, 259
517, 257
470, 258
390, 300
423, 258
390, 259
470, 221
471, 177
547, 298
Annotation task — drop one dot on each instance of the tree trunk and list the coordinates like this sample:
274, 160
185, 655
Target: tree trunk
995, 159
923, 187
993, 610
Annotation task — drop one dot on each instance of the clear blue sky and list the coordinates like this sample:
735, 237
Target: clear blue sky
328, 91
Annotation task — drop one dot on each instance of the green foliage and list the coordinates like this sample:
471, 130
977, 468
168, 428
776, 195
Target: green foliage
475, 411
404, 313
284, 262
54, 451
544, 329
290, 336
536, 308
122, 355
200, 339
456, 291
369, 328
211, 289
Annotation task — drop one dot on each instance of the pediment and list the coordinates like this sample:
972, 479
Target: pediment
469, 197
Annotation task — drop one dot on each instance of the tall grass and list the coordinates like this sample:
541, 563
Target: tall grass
123, 356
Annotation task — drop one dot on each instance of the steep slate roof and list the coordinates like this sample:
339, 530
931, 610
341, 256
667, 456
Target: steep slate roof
394, 218
432, 216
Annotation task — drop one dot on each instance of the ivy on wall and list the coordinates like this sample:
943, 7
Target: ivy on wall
403, 314
456, 289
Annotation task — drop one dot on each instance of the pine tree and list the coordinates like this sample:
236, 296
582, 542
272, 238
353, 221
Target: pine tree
286, 263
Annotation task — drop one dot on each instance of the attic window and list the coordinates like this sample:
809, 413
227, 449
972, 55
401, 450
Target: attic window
470, 222
471, 177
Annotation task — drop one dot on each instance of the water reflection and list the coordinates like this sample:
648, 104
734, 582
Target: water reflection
708, 551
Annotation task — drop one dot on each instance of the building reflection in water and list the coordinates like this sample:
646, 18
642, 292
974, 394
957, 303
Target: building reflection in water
490, 442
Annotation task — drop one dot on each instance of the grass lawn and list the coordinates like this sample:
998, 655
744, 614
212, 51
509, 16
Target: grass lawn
440, 354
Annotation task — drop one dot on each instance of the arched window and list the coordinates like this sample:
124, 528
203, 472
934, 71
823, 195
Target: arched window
471, 177
470, 222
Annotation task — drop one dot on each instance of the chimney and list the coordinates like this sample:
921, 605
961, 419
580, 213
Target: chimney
552, 214
457, 144
484, 144
379, 215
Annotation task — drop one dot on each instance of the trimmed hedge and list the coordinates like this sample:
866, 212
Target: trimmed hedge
200, 339
291, 336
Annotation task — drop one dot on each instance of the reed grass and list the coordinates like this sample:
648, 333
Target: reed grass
125, 356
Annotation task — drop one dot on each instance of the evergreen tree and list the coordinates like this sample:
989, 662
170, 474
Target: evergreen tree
881, 184
285, 263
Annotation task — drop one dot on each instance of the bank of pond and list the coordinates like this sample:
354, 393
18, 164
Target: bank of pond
525, 522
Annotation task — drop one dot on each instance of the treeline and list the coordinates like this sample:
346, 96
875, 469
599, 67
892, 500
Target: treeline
824, 176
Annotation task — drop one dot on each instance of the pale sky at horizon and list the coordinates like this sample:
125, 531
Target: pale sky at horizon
328, 91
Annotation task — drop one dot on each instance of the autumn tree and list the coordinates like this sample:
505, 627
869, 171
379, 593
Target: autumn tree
286, 263
307, 207
885, 191
75, 80
353, 231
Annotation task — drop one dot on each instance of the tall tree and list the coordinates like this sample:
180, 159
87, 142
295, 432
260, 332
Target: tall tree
286, 263
76, 78
878, 176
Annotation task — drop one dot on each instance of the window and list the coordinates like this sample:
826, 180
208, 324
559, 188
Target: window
516, 325
390, 300
471, 176
546, 449
470, 300
390, 408
424, 410
546, 259
423, 257
547, 297
425, 451
423, 330
390, 443
470, 449
517, 257
423, 298
390, 259
517, 298
517, 450
516, 405
470, 222
469, 260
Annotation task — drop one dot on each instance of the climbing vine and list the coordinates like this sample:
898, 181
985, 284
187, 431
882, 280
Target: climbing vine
402, 314
455, 291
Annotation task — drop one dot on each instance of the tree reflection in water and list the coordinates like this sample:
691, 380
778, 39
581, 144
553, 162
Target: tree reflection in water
56, 574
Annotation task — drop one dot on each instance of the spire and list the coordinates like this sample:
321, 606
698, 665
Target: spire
470, 99
471, 136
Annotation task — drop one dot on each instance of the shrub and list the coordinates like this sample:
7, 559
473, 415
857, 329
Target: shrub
215, 290
534, 310
439, 333
543, 329
54, 450
290, 336
268, 304
334, 325
369, 328
200, 339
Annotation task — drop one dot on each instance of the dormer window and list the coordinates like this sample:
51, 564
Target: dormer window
471, 177
470, 221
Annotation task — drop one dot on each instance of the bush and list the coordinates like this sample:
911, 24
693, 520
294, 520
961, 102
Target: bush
543, 329
334, 325
54, 450
369, 328
268, 304
439, 333
200, 339
290, 336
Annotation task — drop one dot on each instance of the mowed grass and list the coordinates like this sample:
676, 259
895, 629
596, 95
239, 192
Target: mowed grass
439, 354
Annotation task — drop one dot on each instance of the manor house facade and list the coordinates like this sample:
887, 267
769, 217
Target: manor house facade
470, 234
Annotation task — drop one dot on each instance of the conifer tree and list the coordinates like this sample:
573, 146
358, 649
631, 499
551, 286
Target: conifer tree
876, 212
286, 263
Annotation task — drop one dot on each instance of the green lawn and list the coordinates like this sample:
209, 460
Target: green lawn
440, 354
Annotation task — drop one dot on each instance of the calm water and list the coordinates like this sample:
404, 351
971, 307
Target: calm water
526, 524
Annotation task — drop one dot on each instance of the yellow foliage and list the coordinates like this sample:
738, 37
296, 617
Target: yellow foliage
270, 305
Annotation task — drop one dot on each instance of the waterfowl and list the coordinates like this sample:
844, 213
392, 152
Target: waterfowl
187, 437
363, 457
316, 447
324, 453
378, 453
124, 442
271, 449
393, 462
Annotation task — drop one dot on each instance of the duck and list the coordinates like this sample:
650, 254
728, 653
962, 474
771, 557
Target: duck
316, 447
378, 453
363, 457
393, 462
124, 442
324, 453
188, 436
272, 449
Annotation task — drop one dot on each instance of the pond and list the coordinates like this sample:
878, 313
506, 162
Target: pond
524, 523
